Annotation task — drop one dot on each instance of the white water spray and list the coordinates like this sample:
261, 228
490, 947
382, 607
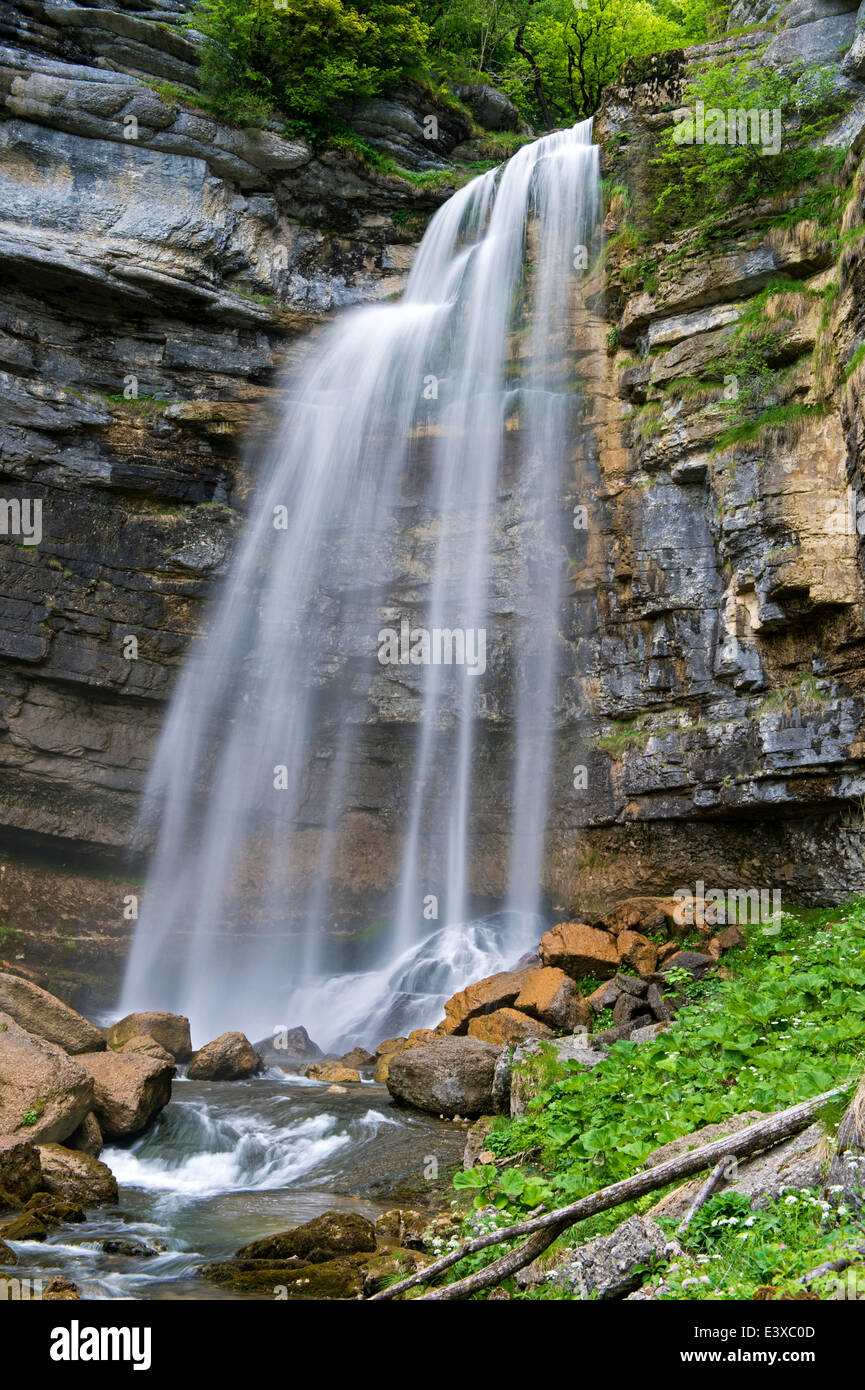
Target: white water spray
416, 487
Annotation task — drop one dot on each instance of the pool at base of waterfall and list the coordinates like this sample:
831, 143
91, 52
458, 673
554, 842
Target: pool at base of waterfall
227, 1162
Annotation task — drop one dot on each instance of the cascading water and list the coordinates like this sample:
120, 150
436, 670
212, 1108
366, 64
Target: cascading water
401, 566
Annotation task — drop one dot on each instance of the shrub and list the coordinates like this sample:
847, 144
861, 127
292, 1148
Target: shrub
305, 57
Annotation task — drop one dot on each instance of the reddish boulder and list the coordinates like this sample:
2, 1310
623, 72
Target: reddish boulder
483, 997
580, 951
552, 996
505, 1026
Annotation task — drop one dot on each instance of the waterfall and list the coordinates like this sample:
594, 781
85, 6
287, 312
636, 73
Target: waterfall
369, 716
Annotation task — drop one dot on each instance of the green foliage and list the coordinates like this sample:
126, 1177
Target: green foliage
732, 1252
304, 58
787, 1027
705, 180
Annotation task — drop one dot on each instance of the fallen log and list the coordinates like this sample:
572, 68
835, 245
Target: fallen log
543, 1230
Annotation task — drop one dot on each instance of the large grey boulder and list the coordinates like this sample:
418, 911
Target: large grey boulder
607, 1267
490, 107
45, 1093
47, 1017
521, 1075
452, 1076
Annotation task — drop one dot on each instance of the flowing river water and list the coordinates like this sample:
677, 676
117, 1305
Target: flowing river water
227, 1162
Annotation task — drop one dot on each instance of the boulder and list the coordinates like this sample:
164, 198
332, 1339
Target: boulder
61, 1290
402, 1226
490, 107
696, 962
627, 1007
637, 951
626, 1031
552, 997
530, 1068
128, 1090
332, 1071
46, 1017
20, 1169
53, 1210
147, 1047
333, 1233
642, 915
604, 997
452, 1076
287, 1048
580, 950
729, 938
358, 1057
483, 997
171, 1031
76, 1176
28, 1226
132, 1249
382, 1067
230, 1057
7, 1255
45, 1093
389, 1046
507, 1026
607, 1267
330, 1281
87, 1138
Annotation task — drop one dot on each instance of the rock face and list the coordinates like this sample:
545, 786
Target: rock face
45, 1094
40, 1013
230, 1057
76, 1176
453, 1076
160, 266
170, 1031
128, 1091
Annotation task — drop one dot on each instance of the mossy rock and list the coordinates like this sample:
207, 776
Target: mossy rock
331, 1279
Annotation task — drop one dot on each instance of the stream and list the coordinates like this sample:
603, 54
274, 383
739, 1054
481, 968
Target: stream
226, 1162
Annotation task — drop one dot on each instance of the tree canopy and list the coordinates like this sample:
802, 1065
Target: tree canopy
552, 57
